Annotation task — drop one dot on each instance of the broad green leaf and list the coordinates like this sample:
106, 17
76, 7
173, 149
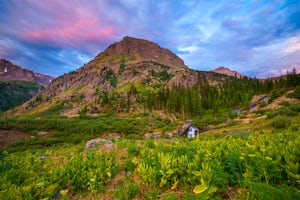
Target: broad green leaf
199, 189
212, 189
175, 185
162, 182
268, 158
63, 192
197, 173
161, 171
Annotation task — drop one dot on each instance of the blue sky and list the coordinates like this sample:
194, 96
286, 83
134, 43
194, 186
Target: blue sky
258, 38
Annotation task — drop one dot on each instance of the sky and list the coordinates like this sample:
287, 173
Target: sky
259, 38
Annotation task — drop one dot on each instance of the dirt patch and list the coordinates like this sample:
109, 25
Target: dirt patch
249, 119
9, 136
277, 103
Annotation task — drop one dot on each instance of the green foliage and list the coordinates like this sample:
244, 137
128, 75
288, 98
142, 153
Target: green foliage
280, 122
122, 68
92, 173
229, 94
133, 150
129, 165
53, 110
236, 162
275, 94
163, 75
295, 107
114, 81
35, 176
126, 190
150, 144
260, 166
17, 92
282, 111
265, 191
243, 134
295, 94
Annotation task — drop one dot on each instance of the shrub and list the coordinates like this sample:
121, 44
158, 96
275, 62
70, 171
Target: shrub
280, 122
274, 95
122, 68
133, 150
295, 94
282, 111
126, 189
129, 165
295, 128
295, 107
150, 144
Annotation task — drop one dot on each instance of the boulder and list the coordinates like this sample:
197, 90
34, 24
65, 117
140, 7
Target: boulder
92, 143
42, 133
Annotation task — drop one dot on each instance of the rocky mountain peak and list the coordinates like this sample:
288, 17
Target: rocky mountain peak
228, 72
134, 50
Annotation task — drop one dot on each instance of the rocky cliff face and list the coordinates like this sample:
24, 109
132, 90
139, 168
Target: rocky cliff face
228, 72
11, 72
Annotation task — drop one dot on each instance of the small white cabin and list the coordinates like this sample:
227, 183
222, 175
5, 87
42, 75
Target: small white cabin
192, 132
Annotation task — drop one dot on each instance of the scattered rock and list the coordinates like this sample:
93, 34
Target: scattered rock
148, 135
156, 135
42, 133
107, 146
43, 157
170, 134
92, 143
114, 135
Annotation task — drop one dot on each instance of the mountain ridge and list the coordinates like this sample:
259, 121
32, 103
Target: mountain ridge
127, 73
11, 72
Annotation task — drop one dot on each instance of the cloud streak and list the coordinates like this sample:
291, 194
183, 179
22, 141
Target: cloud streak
258, 38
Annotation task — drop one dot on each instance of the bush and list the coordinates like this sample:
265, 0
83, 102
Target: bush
280, 122
275, 94
282, 111
126, 189
295, 94
150, 144
295, 107
133, 150
129, 165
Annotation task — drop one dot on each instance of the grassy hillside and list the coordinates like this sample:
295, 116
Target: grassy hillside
16, 92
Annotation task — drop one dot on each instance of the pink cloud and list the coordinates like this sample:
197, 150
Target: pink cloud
80, 31
59, 23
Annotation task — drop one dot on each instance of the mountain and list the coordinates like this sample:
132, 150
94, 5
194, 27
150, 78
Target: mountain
11, 72
124, 77
18, 85
228, 72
